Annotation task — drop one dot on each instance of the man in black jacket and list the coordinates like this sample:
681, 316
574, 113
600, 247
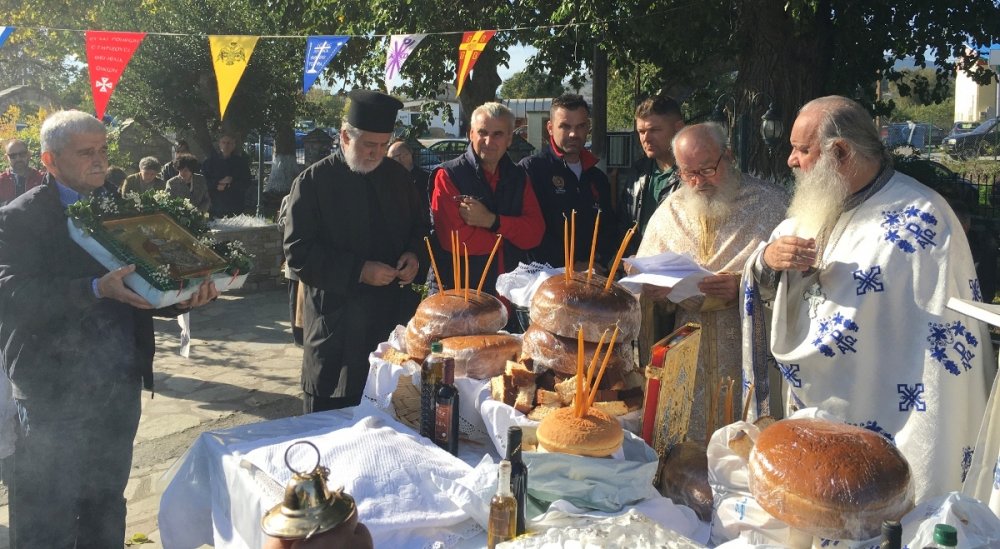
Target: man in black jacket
78, 347
227, 173
354, 237
565, 177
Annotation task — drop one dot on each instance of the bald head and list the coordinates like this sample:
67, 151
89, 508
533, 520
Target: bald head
401, 152
17, 156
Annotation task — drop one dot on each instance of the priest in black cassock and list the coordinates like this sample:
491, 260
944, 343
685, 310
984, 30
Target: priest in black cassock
354, 237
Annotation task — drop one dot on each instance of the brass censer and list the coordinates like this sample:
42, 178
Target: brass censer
310, 509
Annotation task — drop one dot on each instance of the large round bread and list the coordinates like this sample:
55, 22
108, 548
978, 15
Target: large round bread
482, 356
829, 479
447, 314
596, 434
563, 307
558, 353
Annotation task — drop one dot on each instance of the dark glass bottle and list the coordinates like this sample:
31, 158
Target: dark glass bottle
892, 535
431, 373
518, 473
446, 410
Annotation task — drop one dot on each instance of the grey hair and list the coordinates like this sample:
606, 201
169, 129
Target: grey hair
712, 130
149, 163
352, 132
494, 110
845, 119
60, 126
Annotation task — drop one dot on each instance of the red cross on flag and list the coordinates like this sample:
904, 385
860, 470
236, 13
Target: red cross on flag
473, 43
108, 53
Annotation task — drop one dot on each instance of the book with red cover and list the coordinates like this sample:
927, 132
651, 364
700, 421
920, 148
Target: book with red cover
670, 378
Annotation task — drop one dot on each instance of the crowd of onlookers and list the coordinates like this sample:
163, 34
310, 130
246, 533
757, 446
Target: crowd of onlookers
216, 186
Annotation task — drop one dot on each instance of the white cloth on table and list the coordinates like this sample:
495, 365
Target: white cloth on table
868, 337
386, 468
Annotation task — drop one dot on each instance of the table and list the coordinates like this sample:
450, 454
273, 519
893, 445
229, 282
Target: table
214, 497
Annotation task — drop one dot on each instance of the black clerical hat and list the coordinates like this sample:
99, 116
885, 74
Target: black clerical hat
373, 111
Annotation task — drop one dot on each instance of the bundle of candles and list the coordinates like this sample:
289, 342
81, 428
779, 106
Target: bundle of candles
456, 264
724, 393
586, 384
569, 248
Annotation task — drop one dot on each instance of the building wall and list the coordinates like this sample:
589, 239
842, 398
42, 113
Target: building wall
974, 103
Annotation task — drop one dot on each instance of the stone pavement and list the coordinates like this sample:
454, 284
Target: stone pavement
243, 368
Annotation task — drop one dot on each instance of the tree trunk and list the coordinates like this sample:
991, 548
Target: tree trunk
783, 61
284, 166
599, 111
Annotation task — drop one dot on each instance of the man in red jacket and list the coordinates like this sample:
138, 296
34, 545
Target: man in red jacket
20, 176
482, 194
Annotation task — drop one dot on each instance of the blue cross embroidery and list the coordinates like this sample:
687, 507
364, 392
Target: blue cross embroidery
966, 461
869, 280
911, 397
977, 290
790, 373
874, 427
748, 299
952, 337
831, 332
996, 475
741, 508
910, 228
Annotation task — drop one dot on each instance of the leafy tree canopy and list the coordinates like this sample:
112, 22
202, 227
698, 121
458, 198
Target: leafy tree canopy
529, 84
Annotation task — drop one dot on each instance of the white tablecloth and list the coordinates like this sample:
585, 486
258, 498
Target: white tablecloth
216, 497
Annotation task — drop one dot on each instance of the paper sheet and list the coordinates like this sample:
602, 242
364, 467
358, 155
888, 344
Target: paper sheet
667, 270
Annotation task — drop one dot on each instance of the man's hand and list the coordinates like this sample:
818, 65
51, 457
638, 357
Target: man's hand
475, 214
206, 292
656, 293
376, 273
791, 253
111, 286
725, 286
407, 267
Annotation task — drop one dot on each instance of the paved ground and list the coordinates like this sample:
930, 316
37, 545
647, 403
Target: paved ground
243, 369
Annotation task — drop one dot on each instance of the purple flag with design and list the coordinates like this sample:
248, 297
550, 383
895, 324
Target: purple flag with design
319, 51
400, 48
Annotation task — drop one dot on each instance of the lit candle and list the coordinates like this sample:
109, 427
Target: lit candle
489, 261
434, 266
593, 246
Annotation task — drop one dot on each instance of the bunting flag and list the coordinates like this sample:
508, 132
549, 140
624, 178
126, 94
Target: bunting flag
108, 53
400, 48
473, 43
319, 51
5, 33
230, 55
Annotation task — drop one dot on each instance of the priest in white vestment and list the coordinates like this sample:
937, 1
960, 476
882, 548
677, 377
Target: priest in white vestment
855, 284
718, 218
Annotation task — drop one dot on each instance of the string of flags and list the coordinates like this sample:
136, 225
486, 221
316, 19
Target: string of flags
109, 53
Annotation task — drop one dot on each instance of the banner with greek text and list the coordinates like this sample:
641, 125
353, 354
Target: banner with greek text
230, 55
108, 53
473, 43
400, 48
319, 51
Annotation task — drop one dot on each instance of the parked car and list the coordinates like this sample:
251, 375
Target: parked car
918, 136
981, 141
940, 178
962, 127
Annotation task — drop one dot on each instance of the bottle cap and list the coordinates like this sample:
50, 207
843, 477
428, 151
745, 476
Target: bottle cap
437, 347
945, 534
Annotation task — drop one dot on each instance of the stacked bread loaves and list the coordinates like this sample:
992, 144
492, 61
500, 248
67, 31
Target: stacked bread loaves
559, 309
828, 479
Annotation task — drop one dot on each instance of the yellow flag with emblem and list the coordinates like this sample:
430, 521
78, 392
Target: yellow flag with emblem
230, 55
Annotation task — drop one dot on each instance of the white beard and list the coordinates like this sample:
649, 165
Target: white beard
819, 198
358, 164
717, 206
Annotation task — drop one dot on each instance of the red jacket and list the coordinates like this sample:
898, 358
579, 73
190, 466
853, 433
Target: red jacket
8, 190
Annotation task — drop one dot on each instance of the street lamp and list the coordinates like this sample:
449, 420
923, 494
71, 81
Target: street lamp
771, 128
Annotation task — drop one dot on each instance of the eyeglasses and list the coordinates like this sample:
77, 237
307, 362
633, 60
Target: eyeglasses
18, 155
704, 172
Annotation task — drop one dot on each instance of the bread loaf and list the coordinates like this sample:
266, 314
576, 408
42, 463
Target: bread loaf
596, 434
481, 356
829, 479
558, 353
449, 313
563, 307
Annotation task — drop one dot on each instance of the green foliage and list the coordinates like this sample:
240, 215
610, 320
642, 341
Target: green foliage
323, 107
530, 83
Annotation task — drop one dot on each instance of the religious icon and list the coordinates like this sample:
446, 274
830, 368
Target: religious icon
159, 241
